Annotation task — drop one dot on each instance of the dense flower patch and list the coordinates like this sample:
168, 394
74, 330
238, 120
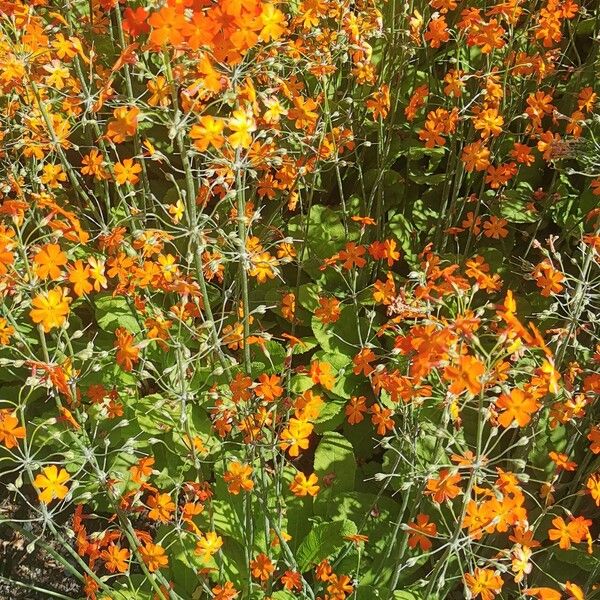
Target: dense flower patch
300, 299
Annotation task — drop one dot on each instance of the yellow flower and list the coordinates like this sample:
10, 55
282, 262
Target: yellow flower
242, 124
50, 308
209, 544
53, 175
127, 172
51, 482
263, 267
303, 486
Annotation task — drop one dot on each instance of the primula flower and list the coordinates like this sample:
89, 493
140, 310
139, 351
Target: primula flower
115, 558
517, 406
124, 124
355, 409
51, 482
262, 567
161, 507
79, 275
48, 261
127, 172
226, 591
208, 545
303, 486
127, 352
237, 477
154, 556
420, 532
50, 309
328, 311
484, 583
444, 487
10, 430
295, 437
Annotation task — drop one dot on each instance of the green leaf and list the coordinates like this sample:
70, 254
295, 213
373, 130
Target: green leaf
335, 456
323, 540
283, 595
579, 558
513, 207
156, 415
267, 359
407, 595
113, 312
342, 336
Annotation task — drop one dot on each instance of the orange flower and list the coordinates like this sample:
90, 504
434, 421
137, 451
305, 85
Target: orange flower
329, 310
379, 102
356, 409
484, 582
50, 308
292, 580
6, 331
592, 484
123, 125
548, 279
161, 507
142, 469
53, 175
237, 477
225, 592
437, 32
321, 374
288, 306
269, 388
52, 483
444, 487
339, 587
465, 376
262, 567
562, 461
79, 276
352, 256
93, 164
543, 593
594, 437
154, 556
476, 157
209, 132
48, 262
382, 417
127, 172
495, 228
295, 437
488, 122
127, 352
362, 362
273, 22
566, 533
10, 431
167, 24
303, 486
574, 591
208, 545
518, 406
243, 125
420, 532
115, 558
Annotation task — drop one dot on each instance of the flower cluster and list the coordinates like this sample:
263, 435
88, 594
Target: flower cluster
299, 299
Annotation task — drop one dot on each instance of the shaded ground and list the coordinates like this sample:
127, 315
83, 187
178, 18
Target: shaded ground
35, 568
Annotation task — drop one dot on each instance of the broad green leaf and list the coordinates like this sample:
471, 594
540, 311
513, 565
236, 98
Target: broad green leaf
113, 312
334, 457
323, 540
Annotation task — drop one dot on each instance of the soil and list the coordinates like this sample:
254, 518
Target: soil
36, 568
